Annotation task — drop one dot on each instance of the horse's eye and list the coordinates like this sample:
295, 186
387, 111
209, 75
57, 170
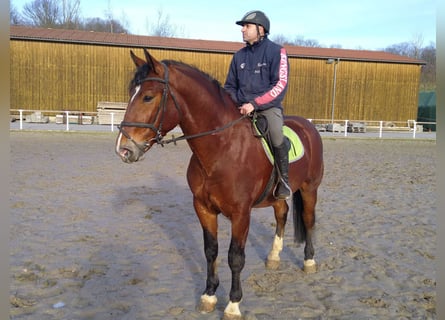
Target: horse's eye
147, 98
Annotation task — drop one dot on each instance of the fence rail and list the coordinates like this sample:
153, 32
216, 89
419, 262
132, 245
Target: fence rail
361, 126
22, 119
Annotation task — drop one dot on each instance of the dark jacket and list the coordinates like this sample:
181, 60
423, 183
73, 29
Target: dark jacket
258, 74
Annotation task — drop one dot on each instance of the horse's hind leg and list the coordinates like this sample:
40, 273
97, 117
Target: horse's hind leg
307, 215
280, 210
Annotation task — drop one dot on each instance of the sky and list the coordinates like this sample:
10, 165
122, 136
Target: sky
349, 24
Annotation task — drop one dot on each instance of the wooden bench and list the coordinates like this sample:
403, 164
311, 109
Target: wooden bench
105, 108
78, 118
335, 127
357, 127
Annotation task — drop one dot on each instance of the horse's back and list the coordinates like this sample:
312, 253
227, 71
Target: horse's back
307, 132
312, 142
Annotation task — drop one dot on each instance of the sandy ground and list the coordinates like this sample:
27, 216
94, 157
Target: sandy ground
94, 238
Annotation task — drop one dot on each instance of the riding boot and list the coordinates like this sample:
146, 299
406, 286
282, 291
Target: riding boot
281, 156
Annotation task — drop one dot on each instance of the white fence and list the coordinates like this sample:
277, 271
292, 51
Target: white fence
89, 121
66, 118
346, 127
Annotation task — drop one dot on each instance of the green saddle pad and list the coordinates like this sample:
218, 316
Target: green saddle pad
296, 150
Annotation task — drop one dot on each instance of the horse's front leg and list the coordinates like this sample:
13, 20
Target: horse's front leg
209, 225
281, 209
237, 257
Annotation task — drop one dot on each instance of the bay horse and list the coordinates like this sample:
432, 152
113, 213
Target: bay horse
228, 171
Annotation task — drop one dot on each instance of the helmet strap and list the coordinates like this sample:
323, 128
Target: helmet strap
260, 37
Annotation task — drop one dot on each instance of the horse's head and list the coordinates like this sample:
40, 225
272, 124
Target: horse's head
152, 110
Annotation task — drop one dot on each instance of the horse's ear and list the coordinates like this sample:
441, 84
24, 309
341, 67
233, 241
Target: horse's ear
137, 61
155, 65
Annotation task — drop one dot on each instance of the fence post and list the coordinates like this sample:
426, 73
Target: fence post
381, 129
67, 120
21, 118
414, 128
346, 128
112, 121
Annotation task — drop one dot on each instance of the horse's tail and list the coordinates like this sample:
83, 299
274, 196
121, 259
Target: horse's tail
299, 227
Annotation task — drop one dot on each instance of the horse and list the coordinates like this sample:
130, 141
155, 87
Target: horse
228, 172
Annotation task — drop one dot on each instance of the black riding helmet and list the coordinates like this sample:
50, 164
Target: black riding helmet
256, 17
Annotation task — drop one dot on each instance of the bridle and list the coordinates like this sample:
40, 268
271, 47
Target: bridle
159, 113
159, 139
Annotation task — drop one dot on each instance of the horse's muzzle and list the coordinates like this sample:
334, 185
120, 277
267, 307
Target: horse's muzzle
128, 151
128, 156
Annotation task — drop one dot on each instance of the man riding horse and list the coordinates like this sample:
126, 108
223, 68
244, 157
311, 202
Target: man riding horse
257, 81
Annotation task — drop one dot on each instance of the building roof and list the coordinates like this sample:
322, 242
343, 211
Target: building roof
121, 39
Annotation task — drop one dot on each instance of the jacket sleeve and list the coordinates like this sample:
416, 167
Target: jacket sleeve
279, 74
231, 83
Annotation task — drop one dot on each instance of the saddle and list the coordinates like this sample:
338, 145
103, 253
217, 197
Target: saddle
292, 140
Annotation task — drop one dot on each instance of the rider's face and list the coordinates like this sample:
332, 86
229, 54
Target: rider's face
250, 32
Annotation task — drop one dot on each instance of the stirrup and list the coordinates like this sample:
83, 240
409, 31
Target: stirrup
285, 193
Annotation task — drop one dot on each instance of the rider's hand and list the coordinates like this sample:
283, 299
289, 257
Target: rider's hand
246, 108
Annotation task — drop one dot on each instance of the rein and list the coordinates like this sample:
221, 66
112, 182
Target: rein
162, 107
201, 134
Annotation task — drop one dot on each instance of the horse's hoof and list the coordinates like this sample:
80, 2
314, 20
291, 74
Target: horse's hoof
229, 316
232, 312
207, 304
272, 264
309, 266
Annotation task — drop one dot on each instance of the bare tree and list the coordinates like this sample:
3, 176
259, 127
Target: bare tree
109, 17
417, 44
428, 74
70, 13
298, 41
280, 39
123, 23
63, 14
414, 49
402, 49
311, 43
102, 25
52, 13
14, 16
162, 27
42, 13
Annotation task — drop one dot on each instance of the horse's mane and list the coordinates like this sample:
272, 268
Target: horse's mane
183, 65
142, 72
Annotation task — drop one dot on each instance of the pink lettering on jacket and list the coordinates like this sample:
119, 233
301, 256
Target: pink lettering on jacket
281, 84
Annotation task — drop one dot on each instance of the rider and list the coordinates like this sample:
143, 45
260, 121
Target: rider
257, 81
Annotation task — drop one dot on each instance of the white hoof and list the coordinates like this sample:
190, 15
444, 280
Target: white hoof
232, 311
309, 266
273, 259
207, 303
272, 264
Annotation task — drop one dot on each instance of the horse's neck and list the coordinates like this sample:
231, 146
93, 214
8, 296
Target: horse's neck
205, 106
212, 122
206, 109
